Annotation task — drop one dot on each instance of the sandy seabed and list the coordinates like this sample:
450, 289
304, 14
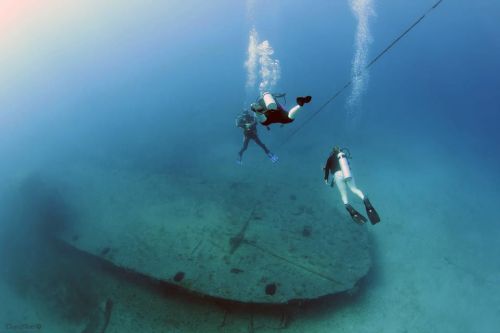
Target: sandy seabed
435, 266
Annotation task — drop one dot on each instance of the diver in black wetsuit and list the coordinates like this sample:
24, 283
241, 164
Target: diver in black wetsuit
338, 165
247, 122
268, 111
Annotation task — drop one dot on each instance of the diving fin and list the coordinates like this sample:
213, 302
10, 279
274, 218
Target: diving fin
239, 161
356, 216
303, 100
371, 212
272, 157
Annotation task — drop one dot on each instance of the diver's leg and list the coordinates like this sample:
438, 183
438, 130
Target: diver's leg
293, 111
352, 186
340, 182
271, 156
261, 144
300, 102
370, 211
245, 146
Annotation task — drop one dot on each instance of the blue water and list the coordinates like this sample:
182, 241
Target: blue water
157, 86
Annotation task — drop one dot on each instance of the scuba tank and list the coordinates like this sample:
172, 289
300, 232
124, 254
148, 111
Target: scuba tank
269, 101
344, 165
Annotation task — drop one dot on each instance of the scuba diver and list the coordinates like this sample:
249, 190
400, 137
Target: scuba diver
268, 111
338, 165
249, 125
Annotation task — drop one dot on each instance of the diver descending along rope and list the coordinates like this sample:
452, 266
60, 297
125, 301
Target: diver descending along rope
341, 90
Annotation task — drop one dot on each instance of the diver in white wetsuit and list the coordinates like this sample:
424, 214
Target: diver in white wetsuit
338, 165
268, 111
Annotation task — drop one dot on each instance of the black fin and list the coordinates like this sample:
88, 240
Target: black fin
303, 100
356, 216
371, 212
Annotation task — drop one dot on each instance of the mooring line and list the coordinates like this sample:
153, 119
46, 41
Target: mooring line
341, 90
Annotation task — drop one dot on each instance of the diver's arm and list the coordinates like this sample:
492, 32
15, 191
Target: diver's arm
240, 122
327, 169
